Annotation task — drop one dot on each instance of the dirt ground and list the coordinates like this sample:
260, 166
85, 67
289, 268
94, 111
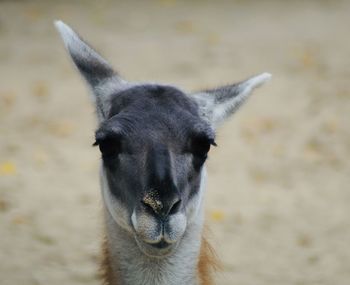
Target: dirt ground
278, 199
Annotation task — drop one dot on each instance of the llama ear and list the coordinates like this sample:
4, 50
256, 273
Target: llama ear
91, 65
94, 68
218, 104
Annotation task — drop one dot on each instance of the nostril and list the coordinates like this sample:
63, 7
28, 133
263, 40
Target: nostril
175, 208
148, 207
159, 208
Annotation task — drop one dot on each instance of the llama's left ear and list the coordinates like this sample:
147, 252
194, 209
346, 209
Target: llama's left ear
217, 104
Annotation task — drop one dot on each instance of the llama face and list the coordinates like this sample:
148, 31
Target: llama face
154, 141
153, 145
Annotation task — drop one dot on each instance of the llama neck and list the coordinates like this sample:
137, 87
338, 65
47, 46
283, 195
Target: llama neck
125, 264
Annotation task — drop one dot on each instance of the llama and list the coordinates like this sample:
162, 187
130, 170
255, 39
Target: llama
154, 140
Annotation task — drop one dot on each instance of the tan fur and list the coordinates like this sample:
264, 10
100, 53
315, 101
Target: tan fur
105, 271
208, 263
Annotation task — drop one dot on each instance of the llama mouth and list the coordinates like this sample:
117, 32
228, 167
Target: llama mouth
161, 245
159, 249
156, 237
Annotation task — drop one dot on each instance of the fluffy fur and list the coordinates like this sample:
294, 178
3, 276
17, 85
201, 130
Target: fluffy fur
207, 265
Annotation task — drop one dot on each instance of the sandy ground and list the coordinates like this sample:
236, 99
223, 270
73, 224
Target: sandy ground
278, 195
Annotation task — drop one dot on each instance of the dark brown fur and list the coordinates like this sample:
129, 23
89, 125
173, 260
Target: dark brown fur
208, 263
105, 271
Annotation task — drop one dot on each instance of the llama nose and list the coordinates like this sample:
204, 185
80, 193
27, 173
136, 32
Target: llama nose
162, 207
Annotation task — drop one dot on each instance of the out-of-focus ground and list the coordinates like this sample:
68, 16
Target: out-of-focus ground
278, 197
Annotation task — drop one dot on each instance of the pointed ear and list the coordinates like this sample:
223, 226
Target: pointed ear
218, 104
93, 67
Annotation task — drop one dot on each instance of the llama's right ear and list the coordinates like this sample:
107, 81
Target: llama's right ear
94, 68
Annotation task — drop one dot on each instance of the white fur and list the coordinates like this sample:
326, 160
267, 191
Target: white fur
102, 91
246, 87
216, 112
75, 45
116, 209
257, 80
133, 267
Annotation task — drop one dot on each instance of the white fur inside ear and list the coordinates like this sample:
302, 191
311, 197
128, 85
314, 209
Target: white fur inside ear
257, 81
66, 32
223, 110
78, 49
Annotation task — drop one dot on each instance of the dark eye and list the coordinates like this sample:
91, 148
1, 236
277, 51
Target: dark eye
109, 144
199, 147
109, 147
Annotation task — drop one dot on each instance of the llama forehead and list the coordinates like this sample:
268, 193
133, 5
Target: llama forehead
148, 114
153, 99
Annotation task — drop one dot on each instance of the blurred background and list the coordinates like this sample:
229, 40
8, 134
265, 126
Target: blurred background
278, 194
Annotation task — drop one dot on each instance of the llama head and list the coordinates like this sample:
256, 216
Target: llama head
154, 140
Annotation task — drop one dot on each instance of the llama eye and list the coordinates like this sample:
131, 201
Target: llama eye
109, 143
200, 146
109, 147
